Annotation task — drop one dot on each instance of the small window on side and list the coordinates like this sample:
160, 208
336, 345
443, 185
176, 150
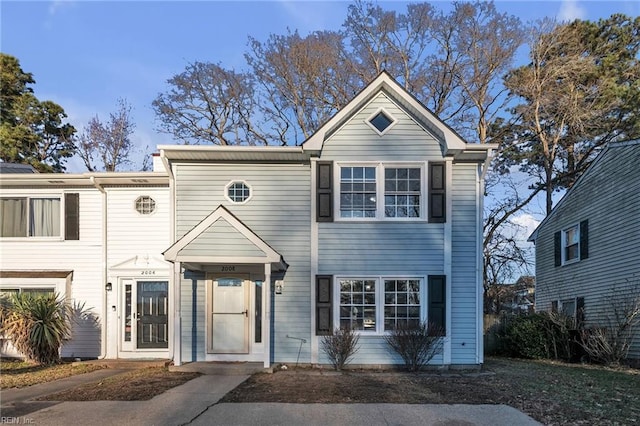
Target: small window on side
238, 192
145, 205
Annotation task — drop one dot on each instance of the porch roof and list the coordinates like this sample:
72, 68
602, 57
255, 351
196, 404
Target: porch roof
222, 238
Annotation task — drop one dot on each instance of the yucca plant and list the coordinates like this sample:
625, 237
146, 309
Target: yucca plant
37, 325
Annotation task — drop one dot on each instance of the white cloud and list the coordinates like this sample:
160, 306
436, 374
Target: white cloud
570, 10
527, 223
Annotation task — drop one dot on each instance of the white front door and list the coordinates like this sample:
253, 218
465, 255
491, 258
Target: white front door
230, 316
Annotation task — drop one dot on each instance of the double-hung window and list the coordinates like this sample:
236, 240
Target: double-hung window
381, 191
571, 243
30, 217
380, 304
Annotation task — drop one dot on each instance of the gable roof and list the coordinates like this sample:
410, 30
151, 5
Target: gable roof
258, 251
454, 145
611, 149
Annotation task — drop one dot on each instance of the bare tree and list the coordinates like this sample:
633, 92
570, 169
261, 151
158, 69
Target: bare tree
305, 80
108, 146
208, 103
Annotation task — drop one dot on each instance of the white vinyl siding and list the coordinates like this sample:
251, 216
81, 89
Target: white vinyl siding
83, 257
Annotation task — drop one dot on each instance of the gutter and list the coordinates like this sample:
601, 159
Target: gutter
103, 346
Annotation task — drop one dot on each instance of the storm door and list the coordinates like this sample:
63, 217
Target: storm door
230, 316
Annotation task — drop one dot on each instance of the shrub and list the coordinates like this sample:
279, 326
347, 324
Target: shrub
417, 344
36, 325
340, 346
525, 336
609, 342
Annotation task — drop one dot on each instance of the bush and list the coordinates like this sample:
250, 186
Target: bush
610, 340
36, 325
417, 344
340, 346
525, 336
540, 335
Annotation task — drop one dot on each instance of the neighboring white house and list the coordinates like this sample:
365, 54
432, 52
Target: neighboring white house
96, 239
588, 247
375, 220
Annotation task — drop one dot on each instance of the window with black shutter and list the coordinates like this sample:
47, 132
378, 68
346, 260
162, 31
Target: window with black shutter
437, 193
324, 315
324, 191
437, 310
72, 216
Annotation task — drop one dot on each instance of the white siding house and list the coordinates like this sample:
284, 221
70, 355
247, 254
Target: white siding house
85, 237
588, 247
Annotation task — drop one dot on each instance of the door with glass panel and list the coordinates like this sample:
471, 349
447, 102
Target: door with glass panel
145, 315
229, 315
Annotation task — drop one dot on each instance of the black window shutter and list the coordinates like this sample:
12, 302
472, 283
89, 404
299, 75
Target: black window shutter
554, 306
437, 193
324, 316
438, 301
580, 312
324, 191
557, 248
584, 239
72, 216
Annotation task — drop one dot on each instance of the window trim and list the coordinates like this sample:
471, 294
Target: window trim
380, 300
380, 167
58, 195
563, 244
235, 181
384, 111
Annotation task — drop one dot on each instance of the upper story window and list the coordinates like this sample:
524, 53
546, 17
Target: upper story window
381, 121
30, 217
145, 205
571, 244
238, 192
381, 191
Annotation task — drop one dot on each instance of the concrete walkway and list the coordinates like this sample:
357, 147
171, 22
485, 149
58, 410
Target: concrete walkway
196, 403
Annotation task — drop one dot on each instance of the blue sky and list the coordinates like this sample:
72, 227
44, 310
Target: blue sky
84, 55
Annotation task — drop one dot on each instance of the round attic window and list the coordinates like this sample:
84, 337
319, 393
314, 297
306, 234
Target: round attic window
145, 204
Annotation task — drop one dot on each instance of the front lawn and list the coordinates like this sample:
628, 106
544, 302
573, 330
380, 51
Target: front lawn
550, 392
18, 374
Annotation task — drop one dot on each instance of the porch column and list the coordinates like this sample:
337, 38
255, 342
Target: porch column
266, 330
177, 316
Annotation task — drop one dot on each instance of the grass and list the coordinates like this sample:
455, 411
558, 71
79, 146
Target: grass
550, 392
135, 385
18, 374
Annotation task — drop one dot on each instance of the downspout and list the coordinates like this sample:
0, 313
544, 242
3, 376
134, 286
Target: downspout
480, 258
176, 276
103, 334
